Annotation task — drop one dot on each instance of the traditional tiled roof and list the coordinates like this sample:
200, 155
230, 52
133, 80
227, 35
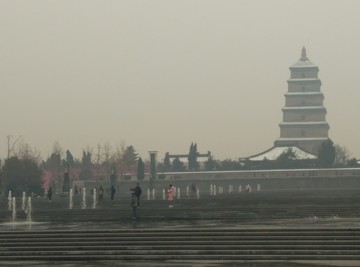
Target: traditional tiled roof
274, 152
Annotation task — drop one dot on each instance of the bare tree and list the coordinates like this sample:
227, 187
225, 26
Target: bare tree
107, 153
120, 150
342, 155
98, 159
11, 145
25, 151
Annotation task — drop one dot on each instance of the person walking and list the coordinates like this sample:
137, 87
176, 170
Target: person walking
50, 194
137, 191
170, 194
193, 191
101, 193
112, 192
134, 205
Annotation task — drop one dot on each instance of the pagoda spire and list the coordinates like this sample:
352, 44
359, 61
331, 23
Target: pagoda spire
303, 54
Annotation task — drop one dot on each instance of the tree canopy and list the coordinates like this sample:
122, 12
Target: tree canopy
140, 169
130, 156
178, 165
327, 153
192, 157
21, 175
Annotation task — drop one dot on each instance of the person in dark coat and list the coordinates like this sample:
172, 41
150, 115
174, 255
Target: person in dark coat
50, 193
112, 192
137, 192
101, 193
134, 205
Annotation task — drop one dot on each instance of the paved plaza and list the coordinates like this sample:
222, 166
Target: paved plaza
261, 228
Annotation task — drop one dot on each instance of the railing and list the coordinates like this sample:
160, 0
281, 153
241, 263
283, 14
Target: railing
289, 173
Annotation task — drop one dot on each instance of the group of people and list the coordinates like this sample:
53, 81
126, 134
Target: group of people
101, 193
135, 196
136, 193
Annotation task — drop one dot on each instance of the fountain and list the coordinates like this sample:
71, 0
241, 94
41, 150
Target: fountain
211, 190
84, 198
163, 194
221, 189
9, 200
178, 193
13, 209
71, 194
148, 194
153, 194
187, 191
23, 201
94, 198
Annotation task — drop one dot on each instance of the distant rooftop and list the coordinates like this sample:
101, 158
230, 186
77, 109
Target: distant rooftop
274, 152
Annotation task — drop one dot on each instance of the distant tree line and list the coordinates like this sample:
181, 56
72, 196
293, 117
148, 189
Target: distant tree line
329, 155
24, 171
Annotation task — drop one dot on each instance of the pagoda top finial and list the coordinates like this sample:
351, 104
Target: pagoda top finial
303, 54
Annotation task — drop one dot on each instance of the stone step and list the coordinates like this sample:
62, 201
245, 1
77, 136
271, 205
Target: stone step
213, 257
219, 244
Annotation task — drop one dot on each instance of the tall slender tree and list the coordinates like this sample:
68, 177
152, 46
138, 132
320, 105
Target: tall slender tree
130, 156
86, 166
192, 157
140, 169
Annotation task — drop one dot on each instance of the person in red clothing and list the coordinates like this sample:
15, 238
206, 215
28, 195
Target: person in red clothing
170, 194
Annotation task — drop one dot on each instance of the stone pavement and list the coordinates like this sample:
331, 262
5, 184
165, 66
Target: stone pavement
293, 215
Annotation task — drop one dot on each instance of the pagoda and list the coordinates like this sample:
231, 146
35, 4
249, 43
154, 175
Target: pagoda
304, 115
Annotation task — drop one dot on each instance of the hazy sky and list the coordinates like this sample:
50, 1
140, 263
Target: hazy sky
159, 75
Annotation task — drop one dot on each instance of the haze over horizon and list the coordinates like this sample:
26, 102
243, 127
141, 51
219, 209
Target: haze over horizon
160, 74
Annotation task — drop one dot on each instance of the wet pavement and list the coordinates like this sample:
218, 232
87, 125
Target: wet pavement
309, 222
253, 201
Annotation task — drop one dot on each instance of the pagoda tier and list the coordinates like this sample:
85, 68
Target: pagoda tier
304, 115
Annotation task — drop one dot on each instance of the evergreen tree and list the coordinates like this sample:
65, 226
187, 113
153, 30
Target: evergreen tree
167, 163
140, 169
190, 160
69, 158
86, 166
86, 159
192, 157
53, 164
211, 164
286, 159
130, 156
195, 156
327, 153
177, 165
229, 164
21, 175
69, 161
